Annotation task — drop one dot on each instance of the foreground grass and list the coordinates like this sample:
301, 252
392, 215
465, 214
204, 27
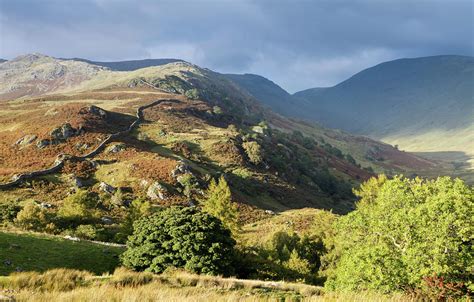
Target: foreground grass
29, 252
124, 285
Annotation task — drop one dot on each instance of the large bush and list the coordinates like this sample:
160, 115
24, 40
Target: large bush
32, 217
404, 231
180, 237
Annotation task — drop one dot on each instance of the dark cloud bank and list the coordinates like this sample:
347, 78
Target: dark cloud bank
298, 44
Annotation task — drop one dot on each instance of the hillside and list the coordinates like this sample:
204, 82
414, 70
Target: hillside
205, 126
422, 104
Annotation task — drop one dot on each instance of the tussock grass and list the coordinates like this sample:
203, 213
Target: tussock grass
52, 280
123, 277
173, 285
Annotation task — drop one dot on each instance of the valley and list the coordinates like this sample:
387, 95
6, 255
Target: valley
88, 150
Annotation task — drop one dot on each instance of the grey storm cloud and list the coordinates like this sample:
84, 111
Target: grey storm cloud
298, 44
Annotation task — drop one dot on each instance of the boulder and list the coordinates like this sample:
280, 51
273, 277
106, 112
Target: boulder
107, 188
157, 191
106, 220
63, 132
95, 111
116, 148
42, 143
181, 168
77, 182
26, 140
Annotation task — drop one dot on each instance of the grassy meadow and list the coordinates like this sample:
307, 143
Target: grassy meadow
31, 252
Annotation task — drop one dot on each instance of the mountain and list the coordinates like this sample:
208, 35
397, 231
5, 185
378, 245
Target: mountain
36, 74
164, 131
267, 92
2, 60
129, 65
421, 104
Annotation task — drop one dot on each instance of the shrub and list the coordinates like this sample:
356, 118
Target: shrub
86, 231
253, 151
9, 211
182, 238
32, 217
404, 230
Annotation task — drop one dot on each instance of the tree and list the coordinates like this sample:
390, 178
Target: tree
218, 203
78, 206
138, 209
32, 217
253, 151
180, 237
403, 231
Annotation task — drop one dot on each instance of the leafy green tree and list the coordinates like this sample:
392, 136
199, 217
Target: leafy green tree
32, 217
180, 237
218, 203
298, 265
78, 206
403, 231
138, 209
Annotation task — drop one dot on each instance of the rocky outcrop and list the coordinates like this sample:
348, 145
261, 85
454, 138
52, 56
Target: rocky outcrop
63, 132
94, 110
157, 191
181, 168
105, 187
26, 140
116, 148
43, 143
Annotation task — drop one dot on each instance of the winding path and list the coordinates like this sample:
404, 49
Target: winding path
62, 157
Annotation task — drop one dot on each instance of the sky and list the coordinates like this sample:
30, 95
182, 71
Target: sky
298, 44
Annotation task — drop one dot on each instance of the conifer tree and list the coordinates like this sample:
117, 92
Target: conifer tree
218, 203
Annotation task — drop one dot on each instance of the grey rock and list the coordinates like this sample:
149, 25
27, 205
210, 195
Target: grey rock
63, 132
157, 191
26, 140
116, 148
107, 188
42, 143
270, 212
97, 111
45, 205
106, 220
181, 168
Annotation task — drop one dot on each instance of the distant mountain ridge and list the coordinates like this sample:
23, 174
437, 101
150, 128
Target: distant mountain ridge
392, 96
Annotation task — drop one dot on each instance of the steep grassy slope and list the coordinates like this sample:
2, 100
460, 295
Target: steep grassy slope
28, 252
